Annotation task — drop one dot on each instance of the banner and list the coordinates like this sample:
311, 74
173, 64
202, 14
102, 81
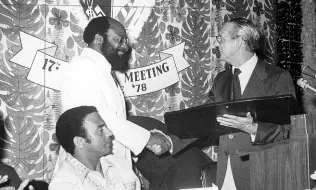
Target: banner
38, 56
156, 76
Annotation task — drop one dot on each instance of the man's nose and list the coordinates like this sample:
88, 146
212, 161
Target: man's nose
108, 132
125, 45
215, 42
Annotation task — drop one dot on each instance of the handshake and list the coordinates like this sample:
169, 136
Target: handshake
158, 143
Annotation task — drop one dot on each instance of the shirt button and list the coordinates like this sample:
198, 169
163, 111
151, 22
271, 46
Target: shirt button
230, 136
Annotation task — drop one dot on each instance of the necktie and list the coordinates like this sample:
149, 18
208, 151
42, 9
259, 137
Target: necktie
235, 87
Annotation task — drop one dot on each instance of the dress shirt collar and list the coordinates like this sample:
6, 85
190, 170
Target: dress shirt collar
82, 170
97, 57
249, 65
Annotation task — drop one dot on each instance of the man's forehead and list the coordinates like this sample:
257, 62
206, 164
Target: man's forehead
93, 118
117, 27
112, 32
226, 29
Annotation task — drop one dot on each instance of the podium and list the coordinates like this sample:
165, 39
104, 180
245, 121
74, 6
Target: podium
285, 165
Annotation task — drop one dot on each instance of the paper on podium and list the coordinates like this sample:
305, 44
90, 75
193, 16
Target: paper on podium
214, 187
201, 121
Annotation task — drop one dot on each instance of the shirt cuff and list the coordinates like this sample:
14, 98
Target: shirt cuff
253, 137
169, 139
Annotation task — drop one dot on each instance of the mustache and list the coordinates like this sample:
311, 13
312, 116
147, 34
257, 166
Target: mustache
125, 50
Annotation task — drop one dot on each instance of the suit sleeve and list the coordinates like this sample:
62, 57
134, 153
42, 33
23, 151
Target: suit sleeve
179, 144
269, 132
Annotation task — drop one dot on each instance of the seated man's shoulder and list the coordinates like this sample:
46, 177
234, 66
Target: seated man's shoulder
65, 176
66, 170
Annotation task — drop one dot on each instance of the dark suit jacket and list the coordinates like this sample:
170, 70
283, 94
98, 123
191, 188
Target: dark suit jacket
266, 80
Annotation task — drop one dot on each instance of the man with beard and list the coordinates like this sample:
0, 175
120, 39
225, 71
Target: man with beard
88, 80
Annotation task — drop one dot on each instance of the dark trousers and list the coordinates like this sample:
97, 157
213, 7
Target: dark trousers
173, 172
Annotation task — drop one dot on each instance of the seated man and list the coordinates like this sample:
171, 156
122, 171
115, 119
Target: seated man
89, 162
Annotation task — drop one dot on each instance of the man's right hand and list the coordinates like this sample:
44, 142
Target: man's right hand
158, 143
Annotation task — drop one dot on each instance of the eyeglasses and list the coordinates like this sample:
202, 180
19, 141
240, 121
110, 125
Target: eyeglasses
221, 39
121, 40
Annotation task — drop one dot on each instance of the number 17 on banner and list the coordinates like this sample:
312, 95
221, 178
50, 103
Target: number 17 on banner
45, 70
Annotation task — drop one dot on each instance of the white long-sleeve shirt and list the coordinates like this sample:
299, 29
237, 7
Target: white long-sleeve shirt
87, 80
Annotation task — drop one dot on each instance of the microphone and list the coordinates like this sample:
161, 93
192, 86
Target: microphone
307, 70
303, 83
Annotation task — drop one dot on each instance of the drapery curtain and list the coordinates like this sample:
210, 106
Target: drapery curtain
31, 110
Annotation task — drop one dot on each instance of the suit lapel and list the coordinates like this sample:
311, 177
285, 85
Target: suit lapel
224, 83
256, 86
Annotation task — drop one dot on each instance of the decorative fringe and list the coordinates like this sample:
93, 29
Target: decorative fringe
308, 46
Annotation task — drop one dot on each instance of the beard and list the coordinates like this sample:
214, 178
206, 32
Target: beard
118, 61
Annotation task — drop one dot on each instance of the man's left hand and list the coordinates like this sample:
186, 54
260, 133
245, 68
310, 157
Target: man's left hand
243, 123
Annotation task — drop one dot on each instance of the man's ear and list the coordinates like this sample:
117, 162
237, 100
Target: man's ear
241, 42
79, 142
98, 39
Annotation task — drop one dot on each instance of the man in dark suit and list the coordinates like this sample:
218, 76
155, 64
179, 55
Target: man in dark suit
238, 40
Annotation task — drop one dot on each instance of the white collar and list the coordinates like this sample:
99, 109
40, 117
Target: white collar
97, 57
82, 170
249, 65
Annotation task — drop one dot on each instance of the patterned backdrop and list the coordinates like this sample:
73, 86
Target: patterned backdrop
31, 110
